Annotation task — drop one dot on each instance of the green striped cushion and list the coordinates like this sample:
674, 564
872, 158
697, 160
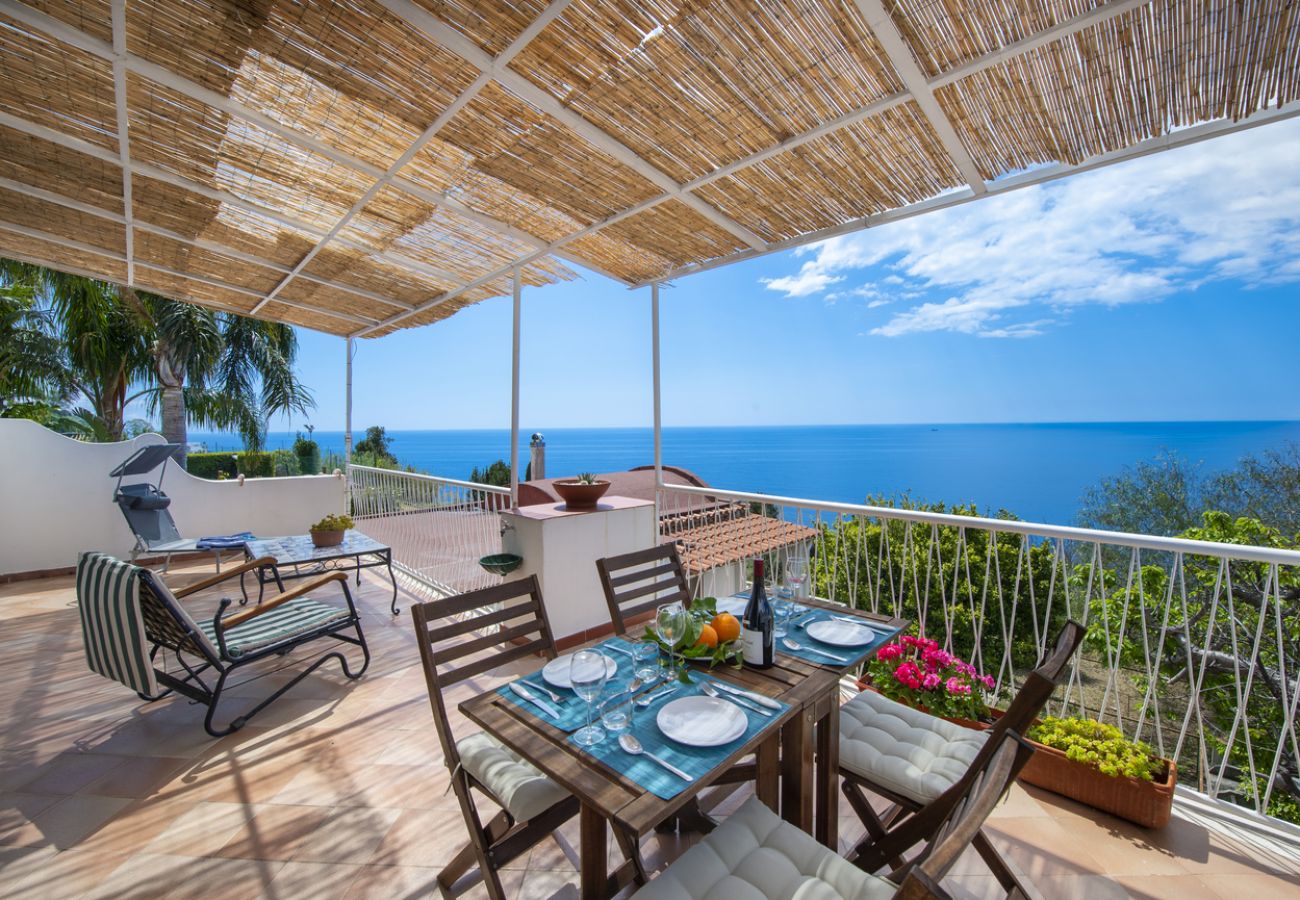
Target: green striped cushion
108, 599
289, 620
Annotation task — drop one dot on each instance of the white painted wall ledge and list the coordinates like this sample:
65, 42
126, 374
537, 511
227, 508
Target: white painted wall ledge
56, 499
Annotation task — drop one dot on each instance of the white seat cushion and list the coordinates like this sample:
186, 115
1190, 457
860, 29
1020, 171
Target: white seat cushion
902, 749
523, 791
754, 855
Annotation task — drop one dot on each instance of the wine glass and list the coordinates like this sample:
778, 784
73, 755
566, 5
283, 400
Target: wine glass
670, 624
796, 573
587, 674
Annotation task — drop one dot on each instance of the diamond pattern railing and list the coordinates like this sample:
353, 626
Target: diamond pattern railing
438, 528
1192, 646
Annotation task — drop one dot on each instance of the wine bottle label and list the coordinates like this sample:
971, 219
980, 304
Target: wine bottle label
752, 647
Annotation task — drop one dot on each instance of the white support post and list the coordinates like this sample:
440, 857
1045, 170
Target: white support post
347, 409
514, 392
654, 369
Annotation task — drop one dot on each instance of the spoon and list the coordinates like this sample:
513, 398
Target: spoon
633, 746
714, 692
795, 645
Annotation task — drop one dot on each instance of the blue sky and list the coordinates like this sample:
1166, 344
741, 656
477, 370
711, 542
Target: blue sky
1162, 288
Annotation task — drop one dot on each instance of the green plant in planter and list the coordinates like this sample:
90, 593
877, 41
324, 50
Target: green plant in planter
1101, 746
334, 523
587, 478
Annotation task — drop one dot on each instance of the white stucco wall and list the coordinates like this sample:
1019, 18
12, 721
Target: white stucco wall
56, 499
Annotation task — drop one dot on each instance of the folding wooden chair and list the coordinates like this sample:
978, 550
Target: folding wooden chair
755, 853
462, 637
921, 762
131, 621
635, 583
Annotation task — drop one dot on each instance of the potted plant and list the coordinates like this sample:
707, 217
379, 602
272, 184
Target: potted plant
581, 492
918, 672
1094, 763
329, 531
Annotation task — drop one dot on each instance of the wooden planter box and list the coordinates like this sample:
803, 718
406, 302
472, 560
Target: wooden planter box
1145, 803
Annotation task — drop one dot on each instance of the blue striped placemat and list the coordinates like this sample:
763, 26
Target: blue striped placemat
694, 761
572, 708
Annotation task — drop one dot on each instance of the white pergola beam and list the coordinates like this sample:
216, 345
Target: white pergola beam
70, 35
118, 14
1182, 138
82, 247
443, 34
19, 187
891, 41
461, 101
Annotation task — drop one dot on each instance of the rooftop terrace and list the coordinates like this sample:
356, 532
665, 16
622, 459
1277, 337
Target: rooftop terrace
338, 790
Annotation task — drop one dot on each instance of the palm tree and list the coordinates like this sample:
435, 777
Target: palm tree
34, 376
216, 370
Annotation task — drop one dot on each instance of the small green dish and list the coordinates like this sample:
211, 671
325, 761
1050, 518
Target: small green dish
501, 563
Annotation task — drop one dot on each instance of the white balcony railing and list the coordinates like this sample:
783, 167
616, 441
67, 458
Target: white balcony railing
438, 527
1192, 646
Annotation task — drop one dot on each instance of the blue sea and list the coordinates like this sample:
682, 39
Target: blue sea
1037, 471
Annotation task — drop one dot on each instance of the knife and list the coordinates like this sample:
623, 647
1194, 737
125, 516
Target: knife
524, 694
757, 698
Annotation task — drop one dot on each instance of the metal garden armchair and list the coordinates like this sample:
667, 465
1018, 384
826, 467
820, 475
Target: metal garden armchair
923, 763
131, 621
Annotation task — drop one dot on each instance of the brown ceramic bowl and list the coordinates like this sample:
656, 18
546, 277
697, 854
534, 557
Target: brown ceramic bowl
577, 495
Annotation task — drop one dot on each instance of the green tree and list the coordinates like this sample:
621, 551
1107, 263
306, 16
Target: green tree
194, 365
969, 587
377, 446
1161, 496
497, 474
34, 377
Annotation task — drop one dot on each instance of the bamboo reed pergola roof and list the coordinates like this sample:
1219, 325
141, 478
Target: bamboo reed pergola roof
362, 166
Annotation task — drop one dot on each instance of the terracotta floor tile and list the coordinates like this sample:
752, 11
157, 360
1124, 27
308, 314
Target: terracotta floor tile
401, 883
1121, 850
1080, 887
70, 772
1168, 887
421, 837
1040, 847
312, 881
73, 819
65, 874
137, 778
147, 876
201, 831
1255, 887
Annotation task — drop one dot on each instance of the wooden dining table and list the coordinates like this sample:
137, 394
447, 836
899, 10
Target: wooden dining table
795, 758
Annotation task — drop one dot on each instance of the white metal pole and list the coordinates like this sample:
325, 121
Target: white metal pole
514, 396
347, 409
654, 366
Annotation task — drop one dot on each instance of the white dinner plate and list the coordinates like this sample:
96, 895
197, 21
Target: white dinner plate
841, 634
702, 721
556, 672
734, 605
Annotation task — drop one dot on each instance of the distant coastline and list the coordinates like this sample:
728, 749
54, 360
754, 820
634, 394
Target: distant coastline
994, 466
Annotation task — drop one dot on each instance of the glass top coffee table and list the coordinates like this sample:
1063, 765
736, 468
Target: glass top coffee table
297, 557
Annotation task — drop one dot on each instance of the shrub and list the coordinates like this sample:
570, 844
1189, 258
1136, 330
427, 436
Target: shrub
1103, 747
217, 466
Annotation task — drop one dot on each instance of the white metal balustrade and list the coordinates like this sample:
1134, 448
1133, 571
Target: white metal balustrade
1193, 646
438, 527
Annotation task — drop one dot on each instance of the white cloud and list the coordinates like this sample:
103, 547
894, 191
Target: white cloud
1137, 232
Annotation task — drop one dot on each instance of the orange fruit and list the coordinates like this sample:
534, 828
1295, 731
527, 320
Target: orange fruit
708, 637
727, 627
